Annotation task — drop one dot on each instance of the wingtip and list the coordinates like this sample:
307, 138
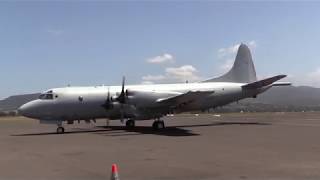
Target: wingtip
282, 76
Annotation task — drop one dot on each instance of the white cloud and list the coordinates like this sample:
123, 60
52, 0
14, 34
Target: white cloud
227, 55
147, 82
315, 74
232, 50
226, 66
308, 79
174, 74
55, 32
252, 44
222, 52
183, 73
153, 78
165, 58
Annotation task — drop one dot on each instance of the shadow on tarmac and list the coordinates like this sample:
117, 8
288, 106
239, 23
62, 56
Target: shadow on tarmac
225, 124
140, 130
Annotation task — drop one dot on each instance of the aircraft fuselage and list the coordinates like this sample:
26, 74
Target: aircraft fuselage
85, 103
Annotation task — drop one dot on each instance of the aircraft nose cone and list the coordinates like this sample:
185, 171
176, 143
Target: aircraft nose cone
22, 109
25, 110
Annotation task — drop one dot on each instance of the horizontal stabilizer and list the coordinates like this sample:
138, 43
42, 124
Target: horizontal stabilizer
282, 84
264, 82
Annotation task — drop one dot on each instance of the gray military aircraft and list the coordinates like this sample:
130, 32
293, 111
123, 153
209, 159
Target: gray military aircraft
147, 102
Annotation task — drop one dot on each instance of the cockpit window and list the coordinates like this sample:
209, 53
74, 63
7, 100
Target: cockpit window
46, 96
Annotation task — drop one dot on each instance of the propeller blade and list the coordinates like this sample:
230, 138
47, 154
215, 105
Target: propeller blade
123, 82
122, 97
122, 100
108, 103
108, 96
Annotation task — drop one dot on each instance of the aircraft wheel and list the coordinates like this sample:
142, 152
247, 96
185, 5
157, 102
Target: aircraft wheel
158, 125
130, 123
60, 130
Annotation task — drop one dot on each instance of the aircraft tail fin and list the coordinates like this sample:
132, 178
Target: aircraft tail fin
242, 71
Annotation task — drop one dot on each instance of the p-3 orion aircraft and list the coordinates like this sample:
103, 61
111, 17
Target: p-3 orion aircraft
149, 102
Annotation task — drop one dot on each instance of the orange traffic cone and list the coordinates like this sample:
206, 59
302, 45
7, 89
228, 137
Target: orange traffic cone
114, 172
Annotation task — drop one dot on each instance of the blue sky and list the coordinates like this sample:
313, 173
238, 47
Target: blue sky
53, 44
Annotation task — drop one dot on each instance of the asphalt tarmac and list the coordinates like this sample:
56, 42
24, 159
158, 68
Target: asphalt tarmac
205, 146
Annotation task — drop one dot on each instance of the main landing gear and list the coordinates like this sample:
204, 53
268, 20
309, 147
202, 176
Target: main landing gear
158, 125
130, 123
60, 129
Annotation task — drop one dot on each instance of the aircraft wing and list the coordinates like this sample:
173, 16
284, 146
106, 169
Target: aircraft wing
184, 99
266, 82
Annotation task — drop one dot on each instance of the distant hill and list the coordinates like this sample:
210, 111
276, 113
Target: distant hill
291, 98
14, 102
297, 96
302, 98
